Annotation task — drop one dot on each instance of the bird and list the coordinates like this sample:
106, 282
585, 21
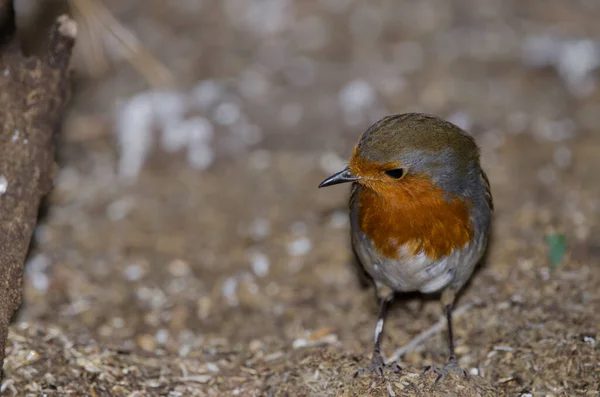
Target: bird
420, 214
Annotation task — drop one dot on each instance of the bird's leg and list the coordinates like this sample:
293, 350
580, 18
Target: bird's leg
377, 365
448, 297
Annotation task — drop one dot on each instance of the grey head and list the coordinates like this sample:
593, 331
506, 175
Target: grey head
424, 144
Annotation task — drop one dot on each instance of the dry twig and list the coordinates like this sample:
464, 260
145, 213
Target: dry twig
34, 91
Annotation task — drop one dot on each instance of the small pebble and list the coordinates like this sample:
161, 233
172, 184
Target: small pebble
32, 356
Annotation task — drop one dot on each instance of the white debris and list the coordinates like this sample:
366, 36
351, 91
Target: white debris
193, 131
573, 59
175, 137
249, 133
227, 113
562, 156
299, 343
67, 179
555, 131
3, 184
503, 348
229, 290
474, 372
540, 51
461, 119
299, 228
162, 336
260, 263
118, 322
196, 134
134, 272
8, 384
15, 136
200, 156
119, 209
260, 228
179, 268
168, 107
590, 340
134, 129
264, 17
576, 60
212, 367
300, 246
36, 269
356, 96
331, 163
206, 93
339, 220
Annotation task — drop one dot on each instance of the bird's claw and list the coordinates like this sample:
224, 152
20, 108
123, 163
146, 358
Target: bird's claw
377, 367
451, 366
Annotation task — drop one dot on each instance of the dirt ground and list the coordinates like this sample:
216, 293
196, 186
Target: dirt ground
236, 277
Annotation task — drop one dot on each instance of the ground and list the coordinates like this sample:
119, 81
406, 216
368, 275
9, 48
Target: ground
231, 274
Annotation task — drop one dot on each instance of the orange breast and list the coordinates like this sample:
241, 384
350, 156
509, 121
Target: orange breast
413, 214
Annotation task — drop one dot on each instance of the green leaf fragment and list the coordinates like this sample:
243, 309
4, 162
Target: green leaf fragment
557, 245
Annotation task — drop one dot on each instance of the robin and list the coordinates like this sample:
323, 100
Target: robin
420, 212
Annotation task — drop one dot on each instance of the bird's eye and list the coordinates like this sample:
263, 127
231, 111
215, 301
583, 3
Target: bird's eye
396, 173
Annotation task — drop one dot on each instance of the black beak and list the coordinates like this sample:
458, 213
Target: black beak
341, 177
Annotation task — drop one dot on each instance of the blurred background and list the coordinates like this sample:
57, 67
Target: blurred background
185, 221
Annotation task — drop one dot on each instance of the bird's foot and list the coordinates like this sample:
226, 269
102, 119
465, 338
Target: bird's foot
377, 367
451, 366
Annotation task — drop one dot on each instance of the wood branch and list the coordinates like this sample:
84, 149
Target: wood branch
33, 92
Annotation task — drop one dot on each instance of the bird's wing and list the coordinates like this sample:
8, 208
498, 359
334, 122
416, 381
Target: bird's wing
488, 190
